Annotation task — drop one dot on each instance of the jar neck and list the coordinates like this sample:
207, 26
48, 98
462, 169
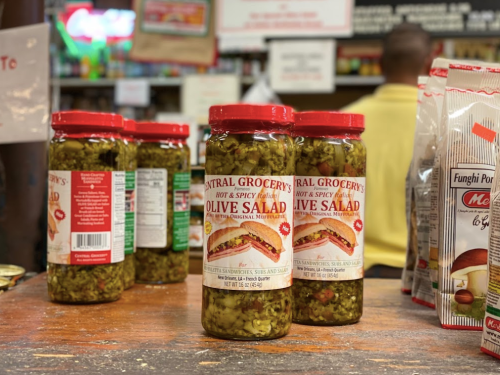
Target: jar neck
86, 134
325, 132
250, 127
161, 140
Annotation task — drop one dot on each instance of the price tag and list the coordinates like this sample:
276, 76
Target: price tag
24, 84
302, 65
132, 92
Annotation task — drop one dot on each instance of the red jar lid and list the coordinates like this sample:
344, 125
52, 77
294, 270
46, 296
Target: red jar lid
161, 130
260, 112
128, 127
340, 121
80, 120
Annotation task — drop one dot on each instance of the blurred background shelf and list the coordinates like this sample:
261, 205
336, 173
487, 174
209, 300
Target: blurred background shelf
346, 80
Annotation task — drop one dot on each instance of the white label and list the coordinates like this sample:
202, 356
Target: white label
472, 209
491, 332
86, 217
302, 65
197, 195
272, 18
328, 232
202, 152
24, 84
200, 92
133, 92
248, 232
152, 207
196, 236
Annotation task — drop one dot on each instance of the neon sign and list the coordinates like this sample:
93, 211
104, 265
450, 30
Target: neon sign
91, 25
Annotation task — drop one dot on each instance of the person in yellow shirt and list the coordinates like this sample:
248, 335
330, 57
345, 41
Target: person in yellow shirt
390, 124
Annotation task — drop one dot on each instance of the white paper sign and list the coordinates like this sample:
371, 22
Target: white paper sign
133, 92
24, 84
193, 138
200, 92
295, 18
302, 65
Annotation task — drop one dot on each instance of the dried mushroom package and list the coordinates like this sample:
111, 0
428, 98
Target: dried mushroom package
411, 222
469, 150
491, 338
426, 135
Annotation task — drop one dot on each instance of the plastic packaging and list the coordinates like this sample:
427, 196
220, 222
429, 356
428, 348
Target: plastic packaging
411, 215
247, 261
329, 218
468, 154
163, 179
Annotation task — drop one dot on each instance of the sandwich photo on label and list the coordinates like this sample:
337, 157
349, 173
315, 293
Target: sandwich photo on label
264, 239
227, 242
309, 236
340, 234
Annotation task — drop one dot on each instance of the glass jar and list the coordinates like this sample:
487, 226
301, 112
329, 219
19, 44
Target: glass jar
329, 218
163, 177
196, 231
197, 195
248, 247
128, 134
85, 248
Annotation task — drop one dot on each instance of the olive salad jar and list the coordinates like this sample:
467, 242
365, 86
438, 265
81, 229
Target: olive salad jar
329, 218
128, 136
85, 249
248, 248
163, 178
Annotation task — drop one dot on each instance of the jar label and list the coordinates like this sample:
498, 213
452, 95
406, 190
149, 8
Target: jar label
181, 211
248, 232
195, 236
130, 194
329, 228
152, 207
86, 212
197, 195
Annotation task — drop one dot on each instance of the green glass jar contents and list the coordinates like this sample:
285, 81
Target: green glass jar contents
329, 218
163, 179
250, 163
85, 208
128, 135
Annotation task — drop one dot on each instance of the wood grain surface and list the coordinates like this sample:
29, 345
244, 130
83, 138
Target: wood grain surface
156, 329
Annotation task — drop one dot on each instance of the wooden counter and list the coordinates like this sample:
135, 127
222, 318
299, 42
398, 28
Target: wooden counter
156, 329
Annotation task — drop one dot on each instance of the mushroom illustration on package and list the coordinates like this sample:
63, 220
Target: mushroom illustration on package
470, 269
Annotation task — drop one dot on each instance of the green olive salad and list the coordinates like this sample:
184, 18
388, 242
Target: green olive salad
130, 168
248, 315
86, 283
164, 265
328, 302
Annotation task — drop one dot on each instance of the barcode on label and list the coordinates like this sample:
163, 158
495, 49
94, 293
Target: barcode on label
91, 241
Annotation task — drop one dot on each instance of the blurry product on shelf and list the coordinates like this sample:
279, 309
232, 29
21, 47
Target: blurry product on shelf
85, 67
197, 191
196, 231
359, 59
202, 145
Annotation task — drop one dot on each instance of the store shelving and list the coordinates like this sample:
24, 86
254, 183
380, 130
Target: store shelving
347, 80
